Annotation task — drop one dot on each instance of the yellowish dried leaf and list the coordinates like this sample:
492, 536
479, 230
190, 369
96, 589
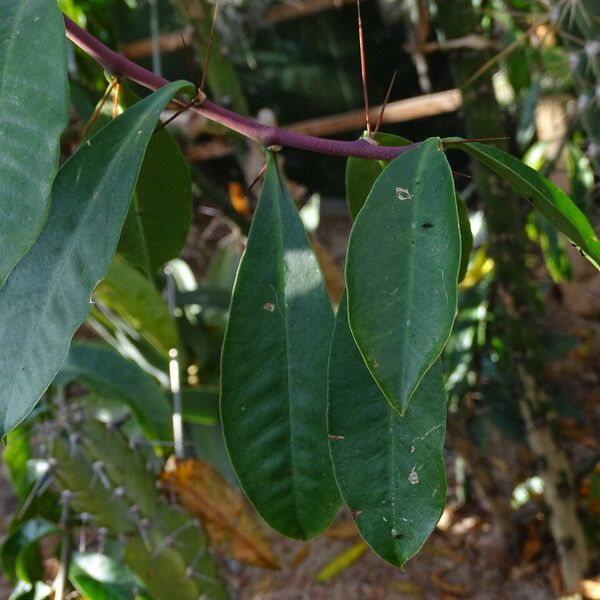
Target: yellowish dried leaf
226, 517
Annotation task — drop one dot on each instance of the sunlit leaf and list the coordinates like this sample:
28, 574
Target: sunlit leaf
132, 296
273, 378
342, 561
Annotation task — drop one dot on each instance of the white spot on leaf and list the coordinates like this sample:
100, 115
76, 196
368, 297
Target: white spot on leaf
413, 477
403, 194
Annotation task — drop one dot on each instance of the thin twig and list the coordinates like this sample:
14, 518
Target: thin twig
209, 46
99, 108
264, 134
385, 102
363, 68
500, 55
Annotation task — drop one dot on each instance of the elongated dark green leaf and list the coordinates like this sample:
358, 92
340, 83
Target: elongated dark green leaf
126, 292
549, 199
403, 261
274, 371
105, 372
402, 457
34, 101
47, 296
160, 215
361, 173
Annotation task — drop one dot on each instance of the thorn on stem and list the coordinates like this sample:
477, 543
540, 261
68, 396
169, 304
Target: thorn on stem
363, 68
385, 103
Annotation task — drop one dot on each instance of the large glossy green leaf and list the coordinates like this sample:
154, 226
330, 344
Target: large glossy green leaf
107, 373
274, 371
127, 293
34, 101
47, 296
403, 262
361, 173
389, 469
160, 215
549, 199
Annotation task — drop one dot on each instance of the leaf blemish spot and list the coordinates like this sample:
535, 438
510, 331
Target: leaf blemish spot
403, 194
413, 477
269, 306
427, 226
335, 437
396, 534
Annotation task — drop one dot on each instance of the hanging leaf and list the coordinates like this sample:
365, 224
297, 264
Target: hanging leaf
160, 214
107, 373
34, 102
47, 296
398, 507
133, 297
361, 173
403, 262
226, 518
549, 199
273, 371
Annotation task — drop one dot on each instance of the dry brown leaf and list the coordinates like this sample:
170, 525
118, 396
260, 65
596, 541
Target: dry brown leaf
407, 588
462, 591
238, 199
334, 278
342, 531
300, 556
229, 524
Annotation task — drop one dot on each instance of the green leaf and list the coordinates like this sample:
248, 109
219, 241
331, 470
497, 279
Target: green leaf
17, 544
160, 215
200, 405
47, 296
466, 237
403, 262
34, 102
361, 173
15, 456
126, 292
99, 577
107, 373
402, 457
549, 199
273, 377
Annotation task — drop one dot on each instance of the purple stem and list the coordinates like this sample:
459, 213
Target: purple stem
117, 64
